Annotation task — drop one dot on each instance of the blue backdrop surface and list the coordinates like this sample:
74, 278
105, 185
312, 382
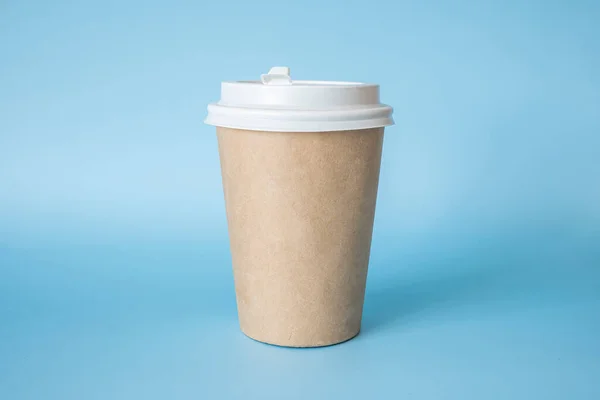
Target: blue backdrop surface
115, 276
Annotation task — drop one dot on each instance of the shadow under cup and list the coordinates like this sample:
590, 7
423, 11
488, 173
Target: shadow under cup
300, 209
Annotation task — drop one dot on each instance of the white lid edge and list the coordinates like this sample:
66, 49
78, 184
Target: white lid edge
299, 120
297, 126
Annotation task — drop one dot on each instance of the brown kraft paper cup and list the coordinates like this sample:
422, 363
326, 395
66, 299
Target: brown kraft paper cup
300, 209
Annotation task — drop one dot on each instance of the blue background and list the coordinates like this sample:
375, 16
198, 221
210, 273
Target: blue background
115, 277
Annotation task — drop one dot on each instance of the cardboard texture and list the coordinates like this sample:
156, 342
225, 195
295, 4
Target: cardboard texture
300, 208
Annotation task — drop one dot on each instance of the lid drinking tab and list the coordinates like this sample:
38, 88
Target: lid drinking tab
277, 76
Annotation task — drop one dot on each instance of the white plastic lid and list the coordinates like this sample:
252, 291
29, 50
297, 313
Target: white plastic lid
276, 103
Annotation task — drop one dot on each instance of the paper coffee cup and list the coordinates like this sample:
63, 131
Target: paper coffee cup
300, 166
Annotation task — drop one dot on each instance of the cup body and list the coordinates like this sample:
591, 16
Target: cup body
300, 209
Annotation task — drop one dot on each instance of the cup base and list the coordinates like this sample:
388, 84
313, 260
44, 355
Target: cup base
302, 345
